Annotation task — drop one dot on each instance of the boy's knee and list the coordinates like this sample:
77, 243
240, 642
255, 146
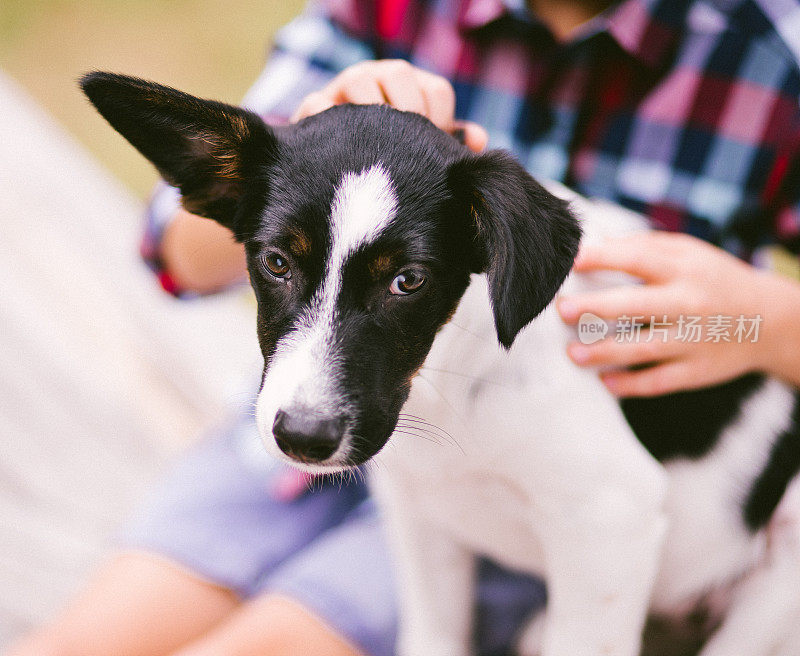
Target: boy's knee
292, 627
272, 625
40, 644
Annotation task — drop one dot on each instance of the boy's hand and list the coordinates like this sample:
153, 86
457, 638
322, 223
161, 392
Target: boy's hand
397, 83
682, 276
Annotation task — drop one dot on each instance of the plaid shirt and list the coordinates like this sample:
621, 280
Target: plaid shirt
687, 111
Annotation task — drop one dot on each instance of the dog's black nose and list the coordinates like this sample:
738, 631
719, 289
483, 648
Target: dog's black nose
307, 437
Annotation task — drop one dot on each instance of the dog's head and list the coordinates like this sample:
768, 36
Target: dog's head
362, 226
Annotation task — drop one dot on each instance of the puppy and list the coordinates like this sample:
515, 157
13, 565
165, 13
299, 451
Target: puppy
387, 260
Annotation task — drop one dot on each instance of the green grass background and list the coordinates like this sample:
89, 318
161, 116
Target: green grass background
212, 48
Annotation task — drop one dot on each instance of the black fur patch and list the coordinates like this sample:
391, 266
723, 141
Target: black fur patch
527, 236
687, 424
208, 149
782, 467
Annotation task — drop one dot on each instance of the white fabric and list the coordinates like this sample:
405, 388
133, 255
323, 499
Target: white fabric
102, 375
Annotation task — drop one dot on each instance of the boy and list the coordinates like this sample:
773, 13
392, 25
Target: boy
685, 111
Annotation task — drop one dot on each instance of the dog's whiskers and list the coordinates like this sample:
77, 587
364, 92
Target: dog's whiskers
438, 391
461, 375
419, 435
409, 421
419, 420
356, 472
468, 331
373, 465
425, 431
310, 483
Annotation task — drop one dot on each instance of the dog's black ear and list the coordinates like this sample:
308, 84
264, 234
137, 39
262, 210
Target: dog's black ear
527, 238
203, 147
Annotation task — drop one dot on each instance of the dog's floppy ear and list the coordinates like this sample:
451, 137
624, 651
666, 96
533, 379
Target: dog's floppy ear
203, 147
527, 238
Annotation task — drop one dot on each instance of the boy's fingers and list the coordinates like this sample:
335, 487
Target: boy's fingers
314, 103
625, 300
661, 379
399, 84
402, 86
403, 95
360, 90
610, 352
441, 106
637, 255
475, 136
440, 99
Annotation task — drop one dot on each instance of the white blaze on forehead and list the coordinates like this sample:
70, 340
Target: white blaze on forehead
363, 205
305, 366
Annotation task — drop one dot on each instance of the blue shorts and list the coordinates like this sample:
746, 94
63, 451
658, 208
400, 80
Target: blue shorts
216, 514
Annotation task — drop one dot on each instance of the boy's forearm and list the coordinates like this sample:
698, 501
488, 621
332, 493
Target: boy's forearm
781, 328
200, 255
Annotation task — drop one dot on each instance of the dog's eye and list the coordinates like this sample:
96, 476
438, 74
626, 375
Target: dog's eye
276, 265
407, 282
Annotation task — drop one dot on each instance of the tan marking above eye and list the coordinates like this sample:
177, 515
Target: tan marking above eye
381, 266
300, 244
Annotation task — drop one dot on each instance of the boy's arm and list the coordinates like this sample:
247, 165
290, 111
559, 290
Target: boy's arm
755, 312
198, 255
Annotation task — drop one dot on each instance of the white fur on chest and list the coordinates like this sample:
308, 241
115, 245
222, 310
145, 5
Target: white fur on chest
519, 444
542, 443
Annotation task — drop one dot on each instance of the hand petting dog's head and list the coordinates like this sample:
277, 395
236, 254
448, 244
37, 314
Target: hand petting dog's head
362, 226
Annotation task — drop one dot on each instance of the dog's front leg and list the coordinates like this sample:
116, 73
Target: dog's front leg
601, 566
435, 580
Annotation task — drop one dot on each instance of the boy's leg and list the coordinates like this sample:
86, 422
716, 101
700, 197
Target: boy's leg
220, 529
336, 597
341, 585
139, 604
232, 514
272, 625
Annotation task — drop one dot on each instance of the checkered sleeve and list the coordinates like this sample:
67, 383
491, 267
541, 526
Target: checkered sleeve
780, 185
786, 201
307, 54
